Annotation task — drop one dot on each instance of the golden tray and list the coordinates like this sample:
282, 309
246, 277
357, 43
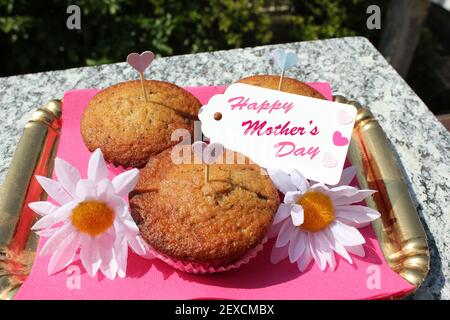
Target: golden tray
399, 231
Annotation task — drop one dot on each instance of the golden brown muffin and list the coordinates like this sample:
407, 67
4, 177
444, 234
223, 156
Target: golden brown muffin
214, 223
289, 85
128, 130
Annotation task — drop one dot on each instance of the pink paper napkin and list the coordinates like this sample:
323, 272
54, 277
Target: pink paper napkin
368, 278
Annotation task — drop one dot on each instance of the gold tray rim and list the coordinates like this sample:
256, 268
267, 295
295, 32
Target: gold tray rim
43, 120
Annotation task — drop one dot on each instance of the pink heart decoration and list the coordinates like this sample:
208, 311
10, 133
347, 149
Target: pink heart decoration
328, 160
339, 140
140, 62
207, 152
344, 118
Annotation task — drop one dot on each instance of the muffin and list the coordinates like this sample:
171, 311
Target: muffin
130, 131
211, 224
289, 85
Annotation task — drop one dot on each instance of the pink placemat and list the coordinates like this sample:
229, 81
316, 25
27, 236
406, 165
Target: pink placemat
368, 278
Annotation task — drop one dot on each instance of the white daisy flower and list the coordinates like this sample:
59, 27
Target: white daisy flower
317, 220
92, 216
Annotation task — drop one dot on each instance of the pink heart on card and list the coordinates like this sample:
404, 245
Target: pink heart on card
207, 152
140, 62
328, 160
339, 140
344, 118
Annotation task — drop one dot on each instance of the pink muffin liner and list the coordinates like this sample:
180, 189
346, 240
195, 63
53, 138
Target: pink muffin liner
199, 268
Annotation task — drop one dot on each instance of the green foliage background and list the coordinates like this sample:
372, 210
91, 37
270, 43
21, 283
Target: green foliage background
35, 33
34, 37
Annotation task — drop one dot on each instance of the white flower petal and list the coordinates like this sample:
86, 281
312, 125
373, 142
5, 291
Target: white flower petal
297, 215
42, 208
119, 205
105, 190
292, 196
125, 226
340, 250
85, 252
305, 259
96, 259
346, 235
61, 214
278, 254
348, 174
47, 233
54, 189
284, 210
356, 250
356, 215
120, 229
337, 246
320, 249
97, 169
56, 239
297, 246
281, 180
130, 225
358, 196
65, 253
137, 244
320, 187
106, 240
109, 236
109, 264
45, 222
299, 181
125, 182
331, 259
121, 253
342, 191
285, 234
90, 255
67, 175
86, 189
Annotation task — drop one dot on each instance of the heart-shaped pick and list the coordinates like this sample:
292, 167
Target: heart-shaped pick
208, 153
284, 59
328, 160
339, 140
140, 62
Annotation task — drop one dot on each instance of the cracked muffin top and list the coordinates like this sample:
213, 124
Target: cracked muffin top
216, 222
289, 85
130, 131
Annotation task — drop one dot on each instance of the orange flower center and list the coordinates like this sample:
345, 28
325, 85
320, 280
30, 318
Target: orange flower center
92, 217
317, 209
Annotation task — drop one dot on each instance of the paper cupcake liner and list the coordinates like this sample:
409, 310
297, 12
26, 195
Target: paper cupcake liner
199, 268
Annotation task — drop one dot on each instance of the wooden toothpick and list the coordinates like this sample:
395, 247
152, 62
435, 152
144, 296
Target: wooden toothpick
281, 80
206, 173
144, 92
208, 153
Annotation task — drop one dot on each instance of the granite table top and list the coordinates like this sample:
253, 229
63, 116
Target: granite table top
353, 67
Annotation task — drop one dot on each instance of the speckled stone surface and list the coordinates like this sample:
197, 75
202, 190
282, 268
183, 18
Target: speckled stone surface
354, 68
